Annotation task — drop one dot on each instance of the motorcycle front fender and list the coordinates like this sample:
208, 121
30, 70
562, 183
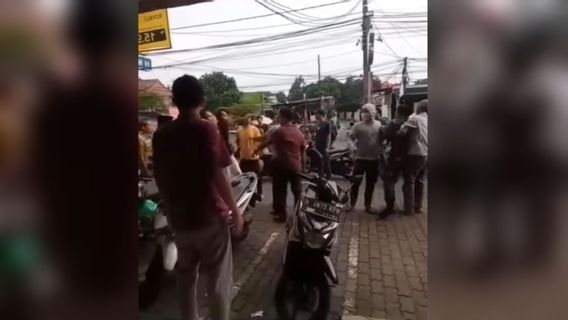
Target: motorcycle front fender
170, 255
330, 270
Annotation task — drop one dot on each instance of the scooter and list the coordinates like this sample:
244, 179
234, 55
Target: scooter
303, 290
157, 250
341, 161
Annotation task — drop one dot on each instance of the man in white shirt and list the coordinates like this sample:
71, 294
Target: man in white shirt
416, 129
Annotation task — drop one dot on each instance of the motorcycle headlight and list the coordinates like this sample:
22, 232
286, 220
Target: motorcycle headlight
315, 240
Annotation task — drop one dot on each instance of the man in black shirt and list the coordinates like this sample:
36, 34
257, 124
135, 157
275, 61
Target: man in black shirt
395, 156
322, 141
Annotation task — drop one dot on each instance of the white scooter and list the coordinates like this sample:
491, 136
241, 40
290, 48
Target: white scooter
158, 252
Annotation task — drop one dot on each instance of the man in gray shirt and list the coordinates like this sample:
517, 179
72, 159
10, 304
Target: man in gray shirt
416, 129
365, 135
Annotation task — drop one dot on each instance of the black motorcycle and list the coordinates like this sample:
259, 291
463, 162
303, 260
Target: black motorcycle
341, 161
303, 290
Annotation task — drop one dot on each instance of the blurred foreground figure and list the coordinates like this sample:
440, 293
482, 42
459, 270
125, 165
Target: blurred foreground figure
190, 157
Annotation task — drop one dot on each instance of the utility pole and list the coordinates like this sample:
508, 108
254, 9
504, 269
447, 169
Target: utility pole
319, 69
404, 75
366, 65
319, 82
262, 104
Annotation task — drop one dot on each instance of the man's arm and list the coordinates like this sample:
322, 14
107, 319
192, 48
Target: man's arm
354, 132
223, 186
142, 165
411, 123
221, 160
267, 140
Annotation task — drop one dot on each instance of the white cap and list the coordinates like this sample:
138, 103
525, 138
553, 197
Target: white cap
370, 108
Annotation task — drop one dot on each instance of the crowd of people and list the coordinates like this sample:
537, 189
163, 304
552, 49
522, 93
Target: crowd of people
194, 160
390, 149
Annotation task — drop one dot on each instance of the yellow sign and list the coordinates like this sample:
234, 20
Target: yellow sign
154, 31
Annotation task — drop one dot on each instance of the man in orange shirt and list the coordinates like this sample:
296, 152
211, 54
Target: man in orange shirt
248, 140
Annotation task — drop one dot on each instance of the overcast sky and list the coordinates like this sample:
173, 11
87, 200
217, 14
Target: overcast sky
272, 66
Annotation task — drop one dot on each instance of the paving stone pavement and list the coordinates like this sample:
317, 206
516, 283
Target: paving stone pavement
382, 267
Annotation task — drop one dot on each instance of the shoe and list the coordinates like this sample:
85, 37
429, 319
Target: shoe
279, 219
272, 213
370, 210
418, 211
349, 207
385, 213
408, 213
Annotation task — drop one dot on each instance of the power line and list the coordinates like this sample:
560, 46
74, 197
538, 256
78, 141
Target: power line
306, 19
263, 39
258, 17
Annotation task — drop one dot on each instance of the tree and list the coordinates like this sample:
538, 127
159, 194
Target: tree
281, 97
296, 92
352, 93
148, 101
220, 90
330, 86
312, 90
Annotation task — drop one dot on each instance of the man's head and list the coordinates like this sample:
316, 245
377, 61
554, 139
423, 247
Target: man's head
188, 94
207, 115
222, 115
145, 127
286, 116
260, 120
422, 107
368, 112
320, 115
403, 111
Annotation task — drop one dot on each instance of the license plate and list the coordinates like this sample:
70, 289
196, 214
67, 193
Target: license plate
322, 209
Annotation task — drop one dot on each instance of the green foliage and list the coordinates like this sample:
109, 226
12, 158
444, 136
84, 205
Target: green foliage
220, 90
281, 97
250, 103
148, 101
251, 98
352, 93
296, 92
329, 86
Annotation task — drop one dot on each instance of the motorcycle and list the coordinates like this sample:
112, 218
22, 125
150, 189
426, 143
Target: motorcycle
303, 290
341, 161
157, 250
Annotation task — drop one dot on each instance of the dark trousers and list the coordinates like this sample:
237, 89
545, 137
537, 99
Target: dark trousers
280, 179
324, 166
392, 172
253, 166
370, 168
413, 188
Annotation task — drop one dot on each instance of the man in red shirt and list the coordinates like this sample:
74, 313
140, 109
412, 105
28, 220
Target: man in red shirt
189, 157
289, 159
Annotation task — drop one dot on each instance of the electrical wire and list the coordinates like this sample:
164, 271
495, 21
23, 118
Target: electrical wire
262, 39
306, 45
301, 19
257, 17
